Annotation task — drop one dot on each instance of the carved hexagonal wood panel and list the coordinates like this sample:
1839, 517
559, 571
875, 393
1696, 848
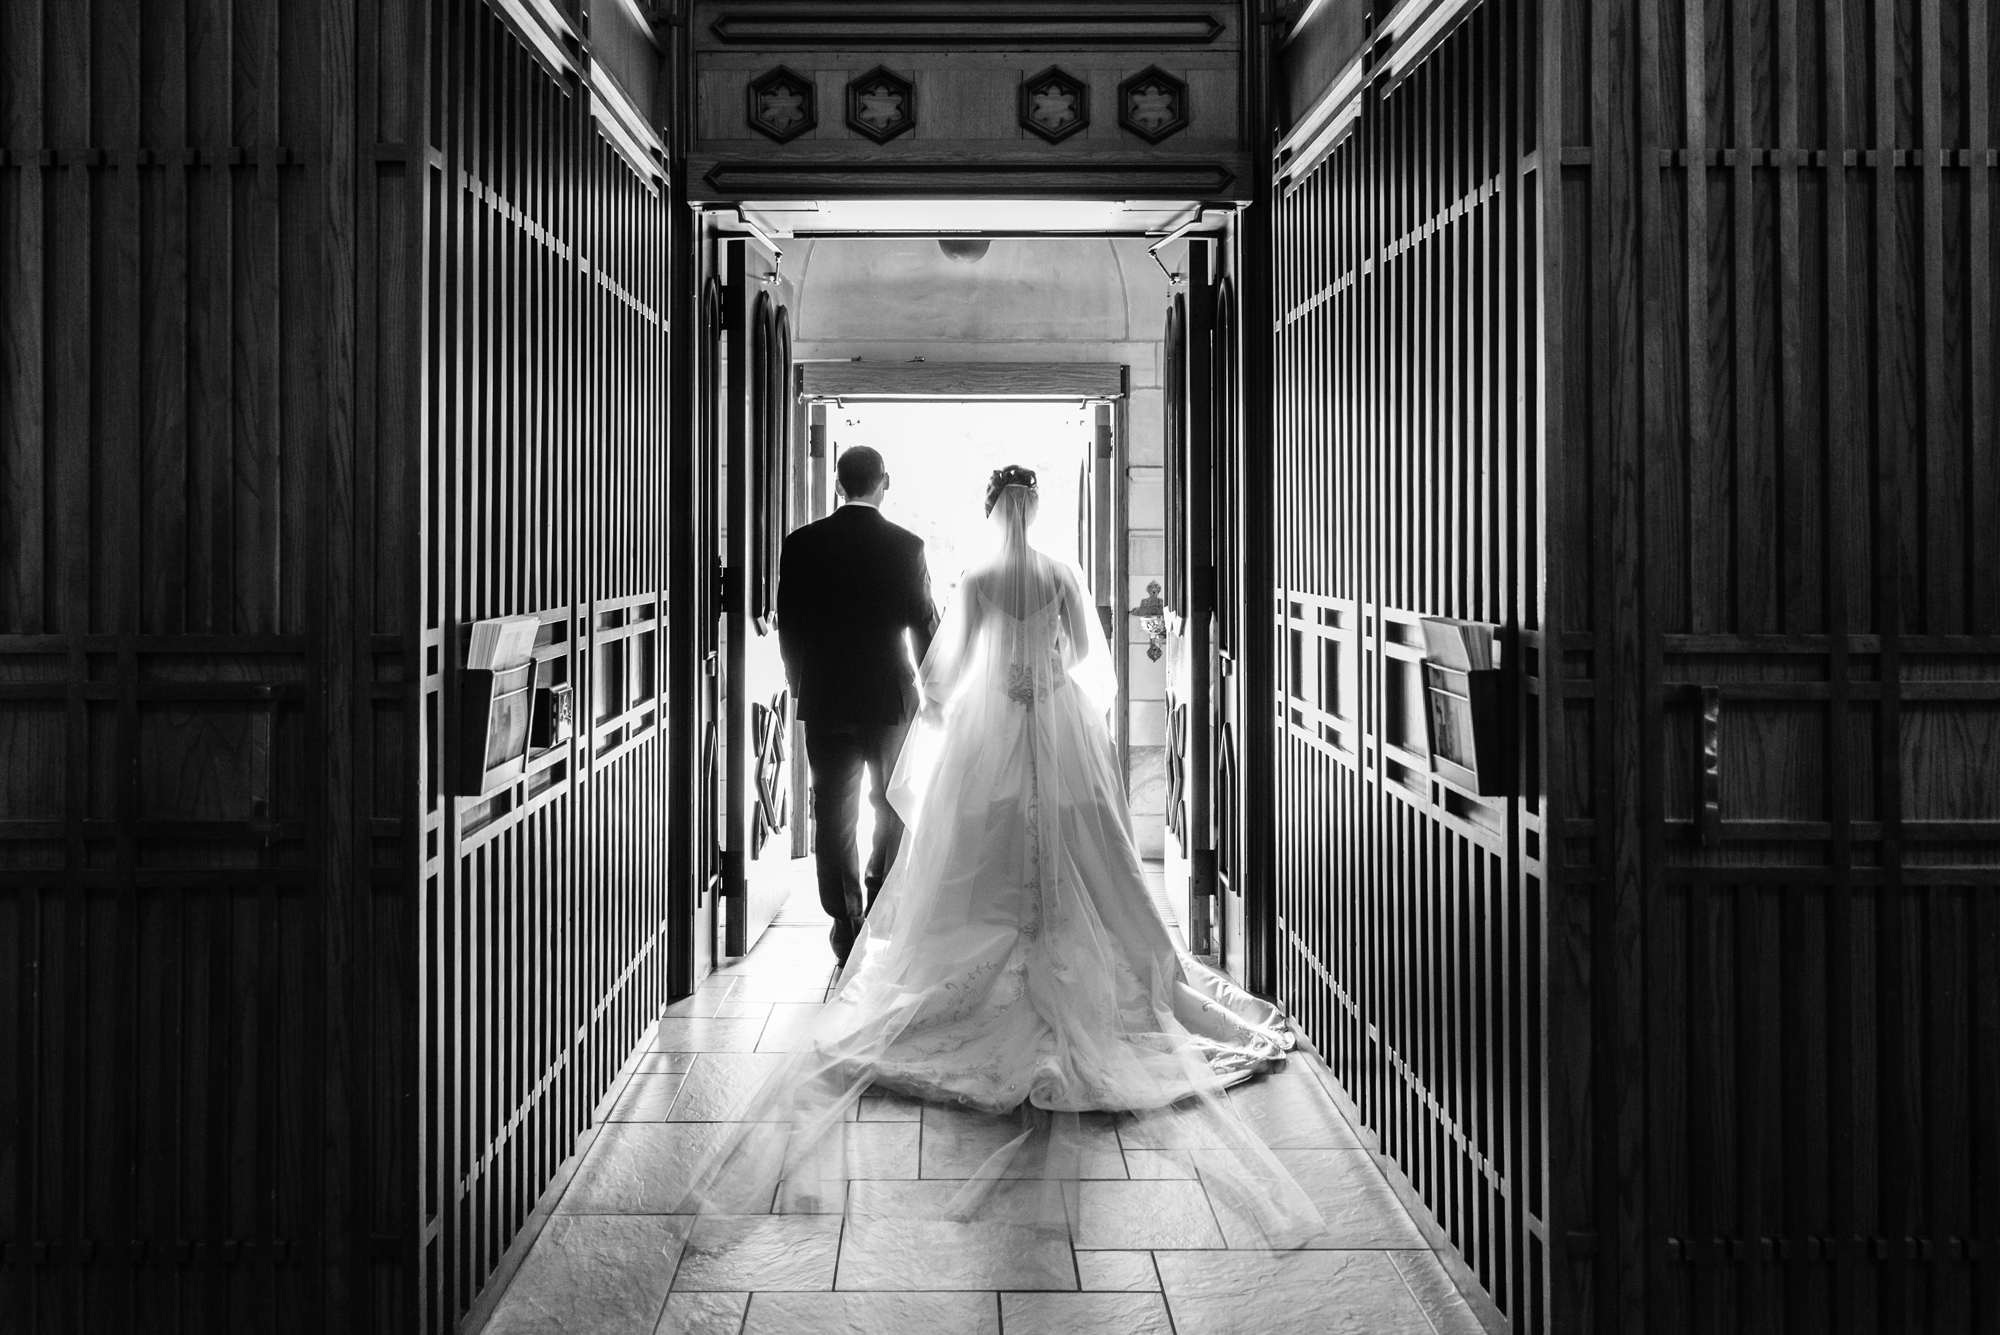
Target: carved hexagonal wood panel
783, 104
1153, 104
1055, 104
881, 104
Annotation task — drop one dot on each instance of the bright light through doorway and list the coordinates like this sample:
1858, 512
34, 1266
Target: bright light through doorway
940, 455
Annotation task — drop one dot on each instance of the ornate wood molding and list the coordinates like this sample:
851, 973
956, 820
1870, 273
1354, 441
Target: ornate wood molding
783, 104
1055, 104
740, 179
1138, 27
881, 104
1153, 105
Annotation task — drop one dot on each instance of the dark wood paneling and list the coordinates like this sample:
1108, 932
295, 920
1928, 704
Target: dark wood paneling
1799, 885
1313, 54
927, 24
547, 914
1409, 925
1227, 716
968, 172
1661, 335
1173, 486
1253, 269
756, 401
1192, 384
966, 64
205, 1028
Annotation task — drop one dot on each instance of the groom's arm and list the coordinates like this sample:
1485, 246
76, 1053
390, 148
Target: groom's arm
791, 613
923, 612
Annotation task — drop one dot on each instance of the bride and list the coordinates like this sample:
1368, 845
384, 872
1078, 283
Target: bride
1014, 962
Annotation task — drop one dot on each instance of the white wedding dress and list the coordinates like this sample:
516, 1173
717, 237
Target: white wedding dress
1014, 961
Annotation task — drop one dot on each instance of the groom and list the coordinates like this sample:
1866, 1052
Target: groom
854, 605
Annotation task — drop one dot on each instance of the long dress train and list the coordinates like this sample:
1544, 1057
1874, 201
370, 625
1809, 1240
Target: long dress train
1014, 961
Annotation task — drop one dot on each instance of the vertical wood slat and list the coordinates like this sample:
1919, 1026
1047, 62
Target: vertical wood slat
547, 335
1854, 299
1260, 290
1196, 456
1396, 302
176, 341
1755, 289
755, 412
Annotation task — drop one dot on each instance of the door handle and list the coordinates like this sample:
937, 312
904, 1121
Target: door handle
1708, 821
263, 761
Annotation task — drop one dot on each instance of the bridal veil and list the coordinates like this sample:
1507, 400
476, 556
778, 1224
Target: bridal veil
1014, 962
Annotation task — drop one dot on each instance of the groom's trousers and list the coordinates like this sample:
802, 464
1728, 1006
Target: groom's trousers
840, 755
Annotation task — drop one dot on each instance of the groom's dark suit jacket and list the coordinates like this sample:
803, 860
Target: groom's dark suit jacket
849, 586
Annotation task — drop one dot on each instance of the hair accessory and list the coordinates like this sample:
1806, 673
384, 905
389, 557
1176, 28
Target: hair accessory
1013, 475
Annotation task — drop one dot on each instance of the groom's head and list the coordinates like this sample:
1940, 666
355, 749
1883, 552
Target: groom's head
861, 475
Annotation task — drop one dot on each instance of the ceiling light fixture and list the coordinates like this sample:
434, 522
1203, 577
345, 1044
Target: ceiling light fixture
965, 250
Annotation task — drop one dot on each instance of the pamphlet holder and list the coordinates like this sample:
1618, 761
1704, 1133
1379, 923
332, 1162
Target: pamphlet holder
495, 703
1462, 695
554, 712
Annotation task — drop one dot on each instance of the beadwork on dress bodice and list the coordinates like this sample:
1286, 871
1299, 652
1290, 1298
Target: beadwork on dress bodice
1035, 649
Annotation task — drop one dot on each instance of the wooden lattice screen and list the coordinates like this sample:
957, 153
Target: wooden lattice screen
1662, 338
545, 908
1408, 916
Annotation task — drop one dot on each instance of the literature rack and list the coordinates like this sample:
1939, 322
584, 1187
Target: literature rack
553, 717
1462, 692
495, 700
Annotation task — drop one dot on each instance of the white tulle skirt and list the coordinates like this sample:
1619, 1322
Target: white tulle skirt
1015, 963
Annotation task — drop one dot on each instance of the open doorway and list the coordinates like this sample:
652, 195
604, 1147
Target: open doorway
1050, 352
940, 453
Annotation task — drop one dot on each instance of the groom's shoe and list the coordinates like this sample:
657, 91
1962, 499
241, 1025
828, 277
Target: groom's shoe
843, 941
841, 949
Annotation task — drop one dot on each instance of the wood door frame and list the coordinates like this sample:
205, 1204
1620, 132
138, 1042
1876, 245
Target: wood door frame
1198, 550
746, 422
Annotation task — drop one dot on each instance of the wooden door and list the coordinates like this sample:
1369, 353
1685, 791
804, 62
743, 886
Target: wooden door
1797, 795
1096, 523
698, 700
1190, 592
757, 397
1226, 721
205, 1024
811, 479
1173, 596
1101, 553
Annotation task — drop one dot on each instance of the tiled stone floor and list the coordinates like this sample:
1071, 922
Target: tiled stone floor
1151, 1254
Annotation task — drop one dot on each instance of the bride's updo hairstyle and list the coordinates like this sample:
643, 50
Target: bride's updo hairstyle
1013, 475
